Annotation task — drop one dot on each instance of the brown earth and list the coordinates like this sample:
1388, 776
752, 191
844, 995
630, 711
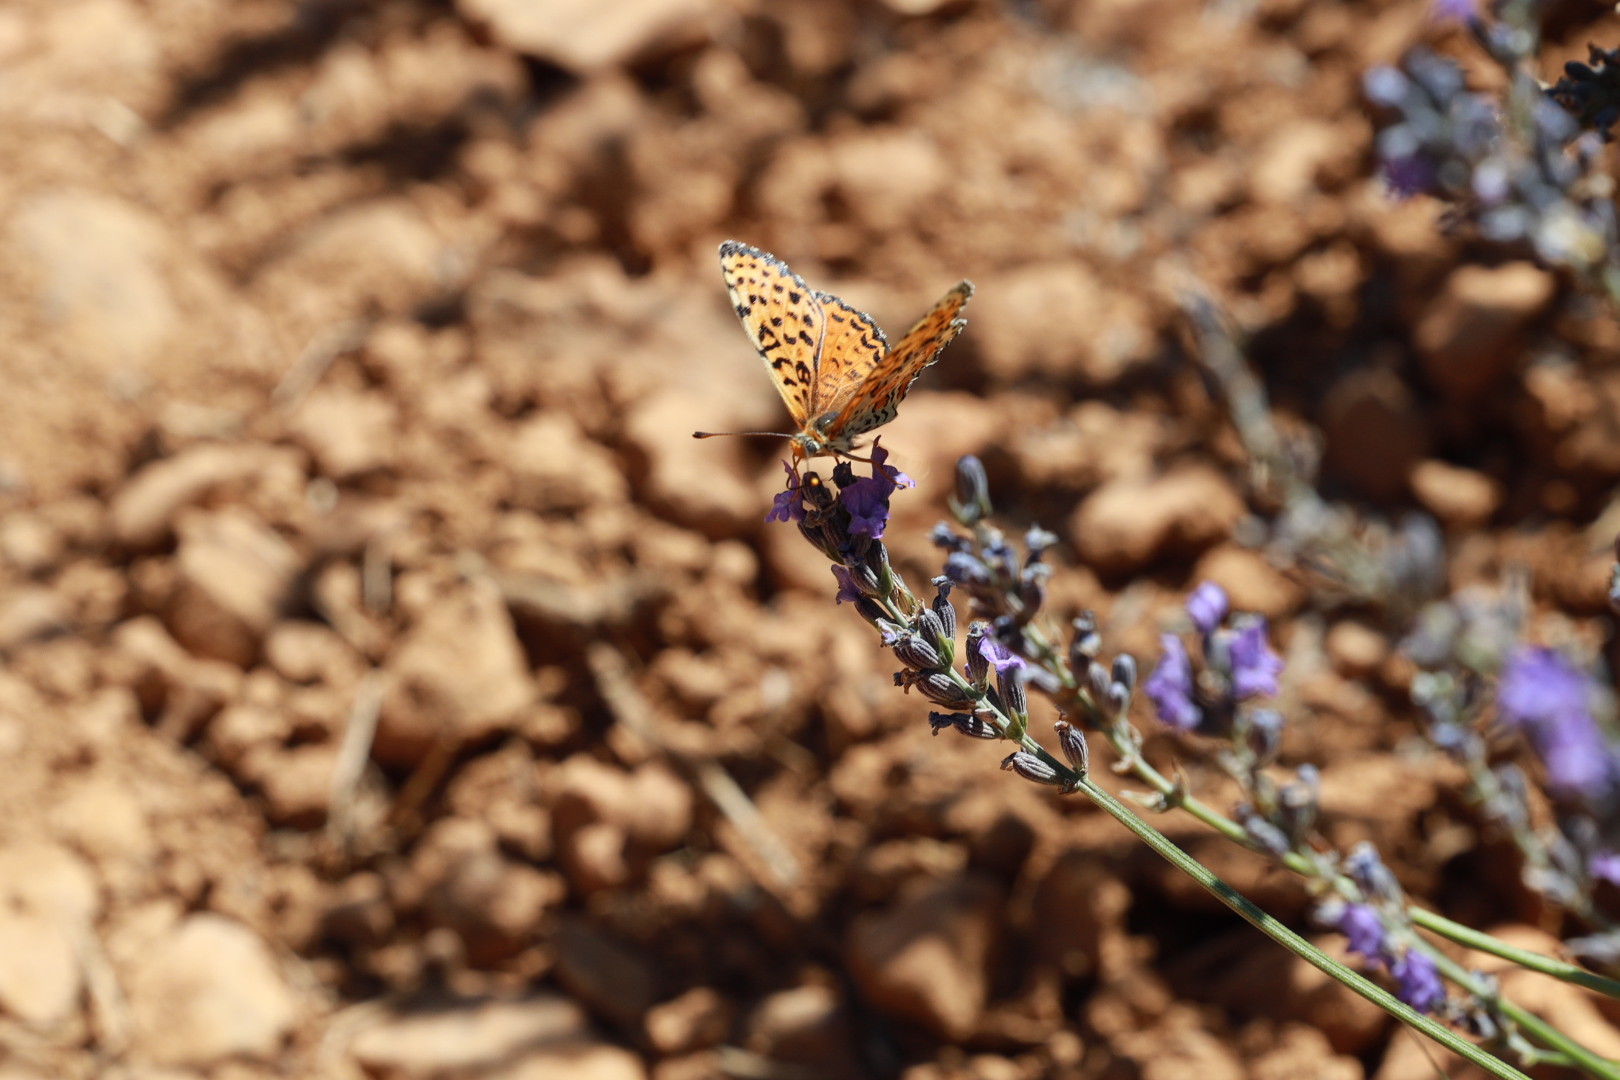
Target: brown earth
392, 688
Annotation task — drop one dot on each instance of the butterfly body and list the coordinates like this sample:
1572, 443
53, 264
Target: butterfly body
833, 366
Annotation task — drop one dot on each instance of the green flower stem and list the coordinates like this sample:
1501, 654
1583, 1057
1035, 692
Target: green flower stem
1292, 941
1576, 1054
1485, 943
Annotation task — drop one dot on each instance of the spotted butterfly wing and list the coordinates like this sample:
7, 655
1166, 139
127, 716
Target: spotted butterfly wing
783, 317
872, 395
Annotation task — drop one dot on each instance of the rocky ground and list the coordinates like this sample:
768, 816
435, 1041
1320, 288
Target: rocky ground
392, 688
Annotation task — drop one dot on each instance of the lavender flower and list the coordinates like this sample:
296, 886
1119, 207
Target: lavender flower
1363, 930
1417, 982
788, 505
1171, 686
847, 589
1548, 699
1207, 606
998, 656
1254, 666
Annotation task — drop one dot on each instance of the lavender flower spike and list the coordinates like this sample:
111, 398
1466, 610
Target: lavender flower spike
1254, 666
1417, 982
1171, 686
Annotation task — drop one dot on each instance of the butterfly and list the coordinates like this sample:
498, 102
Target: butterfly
833, 367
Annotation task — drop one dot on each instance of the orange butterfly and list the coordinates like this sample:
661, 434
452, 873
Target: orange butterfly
832, 365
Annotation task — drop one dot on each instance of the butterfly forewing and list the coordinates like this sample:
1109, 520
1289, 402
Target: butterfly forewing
876, 399
785, 319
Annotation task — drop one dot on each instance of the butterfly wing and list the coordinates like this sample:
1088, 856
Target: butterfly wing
784, 318
871, 397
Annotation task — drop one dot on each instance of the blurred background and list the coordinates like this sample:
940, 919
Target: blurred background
393, 688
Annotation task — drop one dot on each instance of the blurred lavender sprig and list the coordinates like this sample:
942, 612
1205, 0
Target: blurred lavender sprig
1514, 168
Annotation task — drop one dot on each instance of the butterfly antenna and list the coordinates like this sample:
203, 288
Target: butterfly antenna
719, 434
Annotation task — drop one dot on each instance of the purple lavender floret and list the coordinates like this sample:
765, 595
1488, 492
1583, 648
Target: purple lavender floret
1549, 700
1254, 666
1417, 982
1363, 930
1207, 606
1605, 865
847, 589
788, 505
998, 656
868, 506
1171, 686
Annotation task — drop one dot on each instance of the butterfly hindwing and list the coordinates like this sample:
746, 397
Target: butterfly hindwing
785, 319
877, 398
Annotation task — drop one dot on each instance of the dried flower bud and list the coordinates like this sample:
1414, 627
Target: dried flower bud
915, 651
967, 570
1031, 768
1124, 672
1072, 741
930, 625
943, 608
1297, 806
1086, 643
970, 503
1262, 735
973, 727
941, 689
1037, 540
1119, 699
1262, 833
1032, 590
1015, 701
1097, 682
871, 611
978, 666
943, 536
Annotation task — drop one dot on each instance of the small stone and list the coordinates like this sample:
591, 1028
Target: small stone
807, 1024
1459, 497
555, 468
348, 432
1127, 523
927, 959
234, 576
181, 689
30, 543
493, 903
1473, 331
459, 674
1356, 649
582, 35
434, 1037
48, 901
297, 785
1374, 431
145, 508
609, 977
695, 1020
1010, 324
207, 991
304, 652
30, 613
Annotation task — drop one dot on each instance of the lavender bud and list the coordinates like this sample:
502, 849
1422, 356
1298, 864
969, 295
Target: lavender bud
1031, 768
978, 667
943, 608
1297, 805
915, 651
1072, 741
941, 689
1368, 871
1037, 541
1097, 682
967, 569
1086, 643
973, 727
971, 502
871, 611
1119, 699
1032, 590
1015, 701
1262, 735
943, 536
1262, 833
1125, 672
